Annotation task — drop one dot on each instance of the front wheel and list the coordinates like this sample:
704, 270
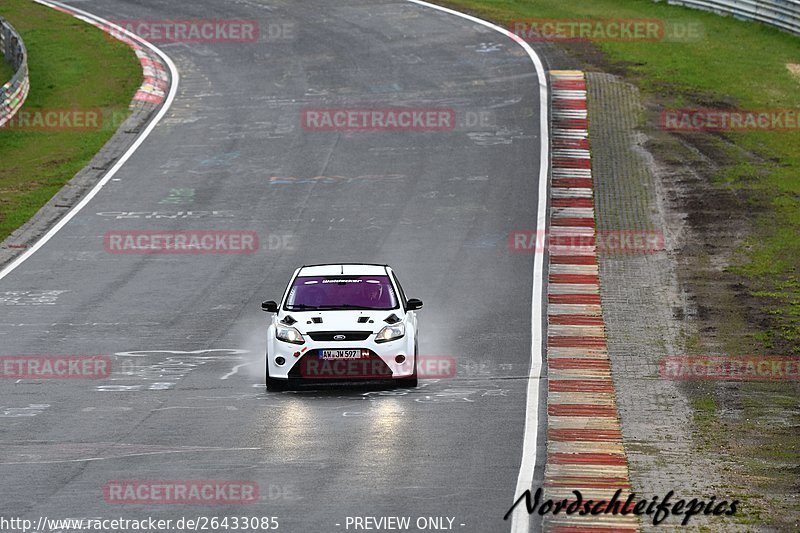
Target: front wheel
274, 385
408, 383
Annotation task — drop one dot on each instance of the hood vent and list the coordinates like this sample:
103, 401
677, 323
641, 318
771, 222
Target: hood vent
392, 319
315, 320
363, 319
288, 320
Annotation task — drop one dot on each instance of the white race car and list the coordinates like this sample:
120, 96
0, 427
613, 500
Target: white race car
342, 322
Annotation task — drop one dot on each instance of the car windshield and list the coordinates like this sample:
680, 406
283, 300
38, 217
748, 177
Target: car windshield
341, 292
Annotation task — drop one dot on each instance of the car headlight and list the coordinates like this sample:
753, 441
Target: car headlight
289, 334
390, 333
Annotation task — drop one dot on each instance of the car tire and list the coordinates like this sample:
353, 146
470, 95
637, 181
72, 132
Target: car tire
274, 385
408, 383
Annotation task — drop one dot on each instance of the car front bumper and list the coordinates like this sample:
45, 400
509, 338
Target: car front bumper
376, 360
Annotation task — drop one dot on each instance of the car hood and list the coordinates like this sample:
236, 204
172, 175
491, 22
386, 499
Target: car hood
339, 320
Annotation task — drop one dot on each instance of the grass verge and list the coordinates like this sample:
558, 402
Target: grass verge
6, 72
729, 64
73, 66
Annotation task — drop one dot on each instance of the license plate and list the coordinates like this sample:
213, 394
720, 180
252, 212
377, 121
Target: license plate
343, 354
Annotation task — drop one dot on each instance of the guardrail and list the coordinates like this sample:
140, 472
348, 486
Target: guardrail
12, 51
784, 14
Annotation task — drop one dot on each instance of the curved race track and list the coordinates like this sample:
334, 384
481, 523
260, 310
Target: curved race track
186, 400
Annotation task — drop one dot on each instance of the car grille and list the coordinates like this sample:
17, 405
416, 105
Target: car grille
311, 368
348, 335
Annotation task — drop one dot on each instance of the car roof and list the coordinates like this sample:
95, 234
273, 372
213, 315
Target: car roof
346, 269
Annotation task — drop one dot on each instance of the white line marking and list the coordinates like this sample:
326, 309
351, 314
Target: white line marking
520, 520
193, 407
122, 160
236, 369
127, 455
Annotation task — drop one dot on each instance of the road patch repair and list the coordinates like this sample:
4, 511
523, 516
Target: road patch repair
584, 439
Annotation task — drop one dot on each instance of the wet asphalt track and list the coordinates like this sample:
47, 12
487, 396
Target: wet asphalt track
185, 331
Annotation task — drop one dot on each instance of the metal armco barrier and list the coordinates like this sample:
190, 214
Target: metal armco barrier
13, 93
783, 14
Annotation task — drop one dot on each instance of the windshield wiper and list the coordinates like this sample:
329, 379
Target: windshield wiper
302, 306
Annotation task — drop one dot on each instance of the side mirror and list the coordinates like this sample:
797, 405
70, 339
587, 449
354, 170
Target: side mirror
269, 306
414, 304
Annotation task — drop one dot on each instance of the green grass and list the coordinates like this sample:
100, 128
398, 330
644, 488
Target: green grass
5, 72
72, 66
704, 407
733, 64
